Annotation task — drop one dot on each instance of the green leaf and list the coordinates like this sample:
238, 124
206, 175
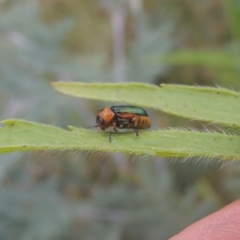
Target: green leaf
20, 135
233, 9
208, 58
200, 103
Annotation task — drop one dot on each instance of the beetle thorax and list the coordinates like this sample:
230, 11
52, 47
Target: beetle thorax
105, 118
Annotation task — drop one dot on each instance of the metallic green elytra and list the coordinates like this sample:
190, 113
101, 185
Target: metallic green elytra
129, 109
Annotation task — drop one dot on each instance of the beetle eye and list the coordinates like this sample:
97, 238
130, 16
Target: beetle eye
100, 120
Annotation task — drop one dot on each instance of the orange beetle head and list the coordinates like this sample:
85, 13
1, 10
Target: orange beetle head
105, 118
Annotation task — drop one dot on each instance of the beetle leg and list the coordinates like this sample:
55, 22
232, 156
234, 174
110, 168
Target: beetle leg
135, 120
110, 133
136, 132
114, 127
110, 136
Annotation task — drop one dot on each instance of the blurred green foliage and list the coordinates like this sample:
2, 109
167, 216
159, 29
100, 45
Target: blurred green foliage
68, 195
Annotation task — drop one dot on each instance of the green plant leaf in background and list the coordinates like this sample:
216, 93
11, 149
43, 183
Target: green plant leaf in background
232, 7
208, 58
215, 105
224, 64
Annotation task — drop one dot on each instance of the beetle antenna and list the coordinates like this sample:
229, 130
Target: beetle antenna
92, 126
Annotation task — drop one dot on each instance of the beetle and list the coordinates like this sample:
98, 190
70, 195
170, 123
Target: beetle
123, 117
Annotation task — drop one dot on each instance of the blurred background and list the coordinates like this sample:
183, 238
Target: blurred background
87, 195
